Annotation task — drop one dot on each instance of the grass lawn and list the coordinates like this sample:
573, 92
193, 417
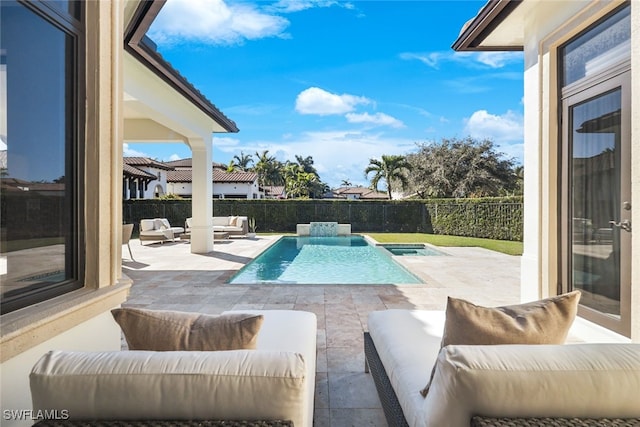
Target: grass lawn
504, 246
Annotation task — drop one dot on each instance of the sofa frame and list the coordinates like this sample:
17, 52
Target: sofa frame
163, 423
395, 417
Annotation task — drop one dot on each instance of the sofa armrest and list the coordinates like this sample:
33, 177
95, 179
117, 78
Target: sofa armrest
528, 381
144, 385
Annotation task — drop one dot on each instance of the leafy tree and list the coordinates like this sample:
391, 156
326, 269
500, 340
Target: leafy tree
392, 169
461, 168
307, 164
243, 161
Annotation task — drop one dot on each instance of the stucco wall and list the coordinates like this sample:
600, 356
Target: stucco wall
14, 378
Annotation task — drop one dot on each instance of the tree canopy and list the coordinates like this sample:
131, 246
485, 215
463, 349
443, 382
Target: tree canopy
461, 168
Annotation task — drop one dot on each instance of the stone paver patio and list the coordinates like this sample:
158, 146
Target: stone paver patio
167, 276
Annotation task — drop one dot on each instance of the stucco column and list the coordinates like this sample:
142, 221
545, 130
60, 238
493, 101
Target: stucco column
202, 191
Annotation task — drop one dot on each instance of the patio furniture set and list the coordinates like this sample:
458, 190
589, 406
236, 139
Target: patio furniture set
504, 366
160, 230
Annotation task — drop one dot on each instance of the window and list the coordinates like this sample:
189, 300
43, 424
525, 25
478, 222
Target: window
41, 128
596, 170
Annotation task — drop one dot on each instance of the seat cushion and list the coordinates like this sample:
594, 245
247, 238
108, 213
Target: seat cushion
408, 342
573, 380
160, 330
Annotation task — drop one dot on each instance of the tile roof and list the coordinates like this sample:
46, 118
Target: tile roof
223, 176
181, 175
185, 175
187, 163
129, 170
145, 161
273, 190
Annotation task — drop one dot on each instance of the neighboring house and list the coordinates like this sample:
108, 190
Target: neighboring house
144, 178
230, 185
581, 148
274, 192
235, 185
103, 84
357, 193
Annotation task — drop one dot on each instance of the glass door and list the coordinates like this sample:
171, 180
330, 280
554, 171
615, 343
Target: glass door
596, 200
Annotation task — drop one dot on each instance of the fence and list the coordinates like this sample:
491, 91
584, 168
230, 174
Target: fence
496, 218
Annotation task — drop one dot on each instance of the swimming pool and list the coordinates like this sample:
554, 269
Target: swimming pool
412, 249
324, 260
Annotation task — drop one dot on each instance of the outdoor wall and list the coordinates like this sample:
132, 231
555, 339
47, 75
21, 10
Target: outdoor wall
228, 189
14, 383
180, 188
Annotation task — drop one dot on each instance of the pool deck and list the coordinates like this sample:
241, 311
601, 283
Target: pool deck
169, 277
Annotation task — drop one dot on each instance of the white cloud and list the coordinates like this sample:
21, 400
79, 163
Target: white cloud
379, 119
287, 6
213, 22
471, 59
130, 152
499, 128
498, 59
432, 59
174, 157
225, 142
318, 101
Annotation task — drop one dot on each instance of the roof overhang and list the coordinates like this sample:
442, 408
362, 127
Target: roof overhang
142, 49
498, 26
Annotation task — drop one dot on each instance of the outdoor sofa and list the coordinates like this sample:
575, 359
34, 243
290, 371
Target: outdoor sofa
234, 225
496, 385
158, 230
272, 384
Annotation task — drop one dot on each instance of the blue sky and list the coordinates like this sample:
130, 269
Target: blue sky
342, 82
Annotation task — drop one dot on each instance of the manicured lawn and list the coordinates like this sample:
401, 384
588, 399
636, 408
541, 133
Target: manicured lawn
504, 246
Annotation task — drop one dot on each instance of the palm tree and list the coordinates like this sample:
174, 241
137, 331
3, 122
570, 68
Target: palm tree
269, 170
345, 183
243, 161
392, 168
232, 166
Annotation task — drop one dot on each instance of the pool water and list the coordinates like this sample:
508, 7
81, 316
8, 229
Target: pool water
324, 260
412, 250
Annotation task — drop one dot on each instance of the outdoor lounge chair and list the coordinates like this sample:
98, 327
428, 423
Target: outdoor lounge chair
159, 230
127, 229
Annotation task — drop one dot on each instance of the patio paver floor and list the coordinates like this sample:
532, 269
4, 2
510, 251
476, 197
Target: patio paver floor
169, 277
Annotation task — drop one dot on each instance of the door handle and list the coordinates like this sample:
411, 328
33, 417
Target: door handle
625, 225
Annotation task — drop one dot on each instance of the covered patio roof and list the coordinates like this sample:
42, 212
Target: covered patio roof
496, 27
162, 106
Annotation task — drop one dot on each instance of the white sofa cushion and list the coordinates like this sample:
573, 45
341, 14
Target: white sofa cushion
292, 331
575, 380
221, 221
146, 224
408, 342
126, 385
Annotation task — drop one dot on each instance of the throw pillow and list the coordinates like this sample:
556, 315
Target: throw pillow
546, 321
233, 221
158, 330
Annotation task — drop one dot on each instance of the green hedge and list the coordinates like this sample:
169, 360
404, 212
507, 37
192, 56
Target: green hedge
492, 217
496, 218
